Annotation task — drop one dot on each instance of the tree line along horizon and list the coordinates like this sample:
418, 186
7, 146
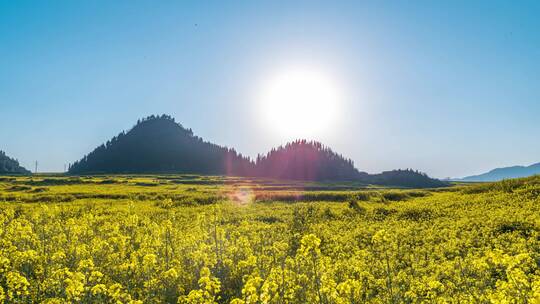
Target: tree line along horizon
158, 144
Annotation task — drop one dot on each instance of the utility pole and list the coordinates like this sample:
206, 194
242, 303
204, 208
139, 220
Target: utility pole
35, 171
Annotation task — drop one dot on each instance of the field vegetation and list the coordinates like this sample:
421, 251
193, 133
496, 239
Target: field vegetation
194, 239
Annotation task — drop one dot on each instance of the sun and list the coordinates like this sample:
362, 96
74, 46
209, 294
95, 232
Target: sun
300, 103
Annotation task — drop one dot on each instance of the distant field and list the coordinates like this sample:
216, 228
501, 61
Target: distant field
194, 239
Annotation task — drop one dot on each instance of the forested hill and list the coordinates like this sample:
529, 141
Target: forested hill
303, 160
405, 178
158, 144
10, 166
308, 160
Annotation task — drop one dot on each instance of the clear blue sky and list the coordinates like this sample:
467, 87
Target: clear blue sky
451, 88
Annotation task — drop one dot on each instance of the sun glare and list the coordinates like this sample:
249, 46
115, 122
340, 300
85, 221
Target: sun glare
300, 103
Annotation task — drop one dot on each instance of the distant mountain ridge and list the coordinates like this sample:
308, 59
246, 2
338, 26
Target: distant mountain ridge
10, 166
158, 144
504, 173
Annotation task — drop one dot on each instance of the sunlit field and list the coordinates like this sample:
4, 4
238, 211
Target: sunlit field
192, 239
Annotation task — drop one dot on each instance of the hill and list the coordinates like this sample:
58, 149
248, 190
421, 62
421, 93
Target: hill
158, 144
405, 178
504, 173
10, 166
306, 160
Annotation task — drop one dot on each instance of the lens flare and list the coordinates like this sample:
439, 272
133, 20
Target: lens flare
241, 196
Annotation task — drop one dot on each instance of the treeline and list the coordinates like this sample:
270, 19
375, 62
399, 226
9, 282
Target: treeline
158, 144
10, 166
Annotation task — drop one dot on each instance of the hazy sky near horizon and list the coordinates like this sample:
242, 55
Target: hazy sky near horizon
449, 88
